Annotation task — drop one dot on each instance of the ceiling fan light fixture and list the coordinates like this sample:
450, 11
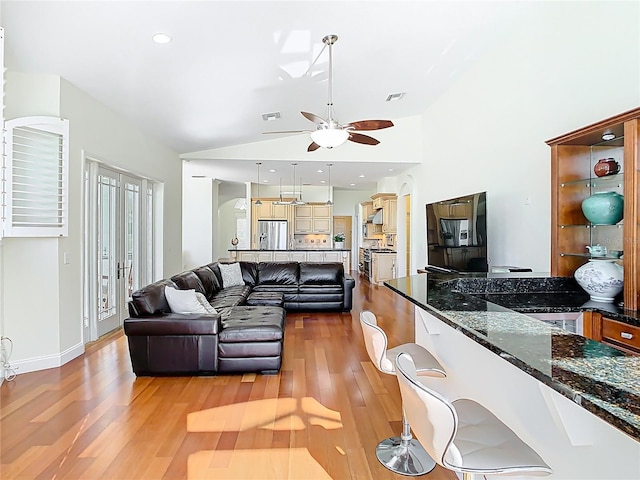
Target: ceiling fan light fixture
329, 138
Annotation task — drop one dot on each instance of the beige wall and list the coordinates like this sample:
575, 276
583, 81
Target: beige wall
48, 332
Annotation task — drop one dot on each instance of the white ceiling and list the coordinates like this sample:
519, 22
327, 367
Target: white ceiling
232, 61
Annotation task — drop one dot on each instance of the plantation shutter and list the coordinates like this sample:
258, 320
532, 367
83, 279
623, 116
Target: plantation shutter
35, 178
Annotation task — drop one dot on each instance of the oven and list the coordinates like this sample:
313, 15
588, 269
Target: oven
366, 263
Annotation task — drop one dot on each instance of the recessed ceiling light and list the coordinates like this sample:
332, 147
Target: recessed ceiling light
395, 96
391, 169
161, 38
360, 176
320, 171
265, 181
352, 184
270, 117
323, 181
272, 170
608, 136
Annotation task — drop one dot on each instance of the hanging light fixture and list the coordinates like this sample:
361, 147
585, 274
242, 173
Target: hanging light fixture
258, 202
329, 202
296, 200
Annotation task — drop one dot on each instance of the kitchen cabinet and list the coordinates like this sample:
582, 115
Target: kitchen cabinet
390, 215
620, 335
372, 230
270, 210
330, 256
254, 256
383, 267
312, 218
367, 210
379, 198
573, 158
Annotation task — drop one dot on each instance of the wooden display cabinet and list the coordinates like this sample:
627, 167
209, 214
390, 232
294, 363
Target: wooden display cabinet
573, 157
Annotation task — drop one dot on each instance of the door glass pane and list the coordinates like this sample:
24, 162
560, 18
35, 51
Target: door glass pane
107, 266
149, 236
131, 237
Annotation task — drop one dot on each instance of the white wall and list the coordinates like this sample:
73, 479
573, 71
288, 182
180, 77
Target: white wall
227, 214
566, 69
48, 332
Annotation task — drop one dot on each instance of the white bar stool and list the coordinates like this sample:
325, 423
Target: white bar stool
462, 435
404, 454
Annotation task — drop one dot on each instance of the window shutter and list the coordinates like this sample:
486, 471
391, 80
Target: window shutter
35, 178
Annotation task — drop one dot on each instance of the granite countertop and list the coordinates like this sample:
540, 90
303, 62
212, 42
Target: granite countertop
492, 310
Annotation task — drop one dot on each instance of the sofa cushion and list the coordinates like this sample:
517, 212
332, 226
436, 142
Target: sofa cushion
150, 300
278, 273
188, 281
249, 273
230, 297
209, 281
312, 273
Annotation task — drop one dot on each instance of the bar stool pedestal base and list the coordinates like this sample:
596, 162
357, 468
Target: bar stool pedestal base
404, 457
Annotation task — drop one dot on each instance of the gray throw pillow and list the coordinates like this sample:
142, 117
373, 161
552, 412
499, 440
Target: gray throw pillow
231, 274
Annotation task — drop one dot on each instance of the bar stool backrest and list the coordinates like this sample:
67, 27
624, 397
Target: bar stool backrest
432, 417
375, 341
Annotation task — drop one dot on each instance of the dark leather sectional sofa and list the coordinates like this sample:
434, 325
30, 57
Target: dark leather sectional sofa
247, 333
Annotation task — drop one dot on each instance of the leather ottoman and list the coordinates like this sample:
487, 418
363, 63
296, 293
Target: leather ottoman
251, 339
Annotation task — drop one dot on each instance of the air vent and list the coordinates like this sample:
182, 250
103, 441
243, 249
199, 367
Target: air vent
269, 117
395, 96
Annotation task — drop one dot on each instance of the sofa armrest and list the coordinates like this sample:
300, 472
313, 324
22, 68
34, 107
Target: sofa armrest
348, 283
173, 324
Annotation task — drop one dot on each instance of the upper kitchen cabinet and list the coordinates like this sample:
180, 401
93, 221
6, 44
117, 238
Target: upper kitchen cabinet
312, 218
585, 163
390, 215
388, 203
270, 210
379, 198
367, 210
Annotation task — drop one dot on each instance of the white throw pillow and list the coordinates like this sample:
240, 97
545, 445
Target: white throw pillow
183, 301
231, 274
203, 301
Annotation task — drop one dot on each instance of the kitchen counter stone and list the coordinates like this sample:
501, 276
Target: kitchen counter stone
491, 309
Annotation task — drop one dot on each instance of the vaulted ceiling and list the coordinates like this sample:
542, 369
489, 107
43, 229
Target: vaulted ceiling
230, 62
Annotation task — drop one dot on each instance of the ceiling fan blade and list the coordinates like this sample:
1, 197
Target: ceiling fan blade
288, 131
359, 138
314, 118
369, 124
313, 147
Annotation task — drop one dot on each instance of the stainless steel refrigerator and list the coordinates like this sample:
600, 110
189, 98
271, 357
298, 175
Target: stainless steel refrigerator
272, 234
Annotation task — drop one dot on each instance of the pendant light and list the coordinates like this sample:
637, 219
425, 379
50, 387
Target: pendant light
258, 202
296, 200
329, 202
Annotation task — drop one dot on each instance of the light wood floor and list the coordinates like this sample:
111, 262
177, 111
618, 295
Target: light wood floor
321, 417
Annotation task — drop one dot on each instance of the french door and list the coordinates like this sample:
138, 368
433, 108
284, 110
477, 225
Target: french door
120, 233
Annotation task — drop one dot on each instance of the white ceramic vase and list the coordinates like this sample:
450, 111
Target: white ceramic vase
600, 278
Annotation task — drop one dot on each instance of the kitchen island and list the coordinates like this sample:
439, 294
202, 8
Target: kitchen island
340, 255
575, 400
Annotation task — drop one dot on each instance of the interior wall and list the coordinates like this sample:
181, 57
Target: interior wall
488, 131
227, 214
38, 262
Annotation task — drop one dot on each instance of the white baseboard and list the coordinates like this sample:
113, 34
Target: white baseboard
48, 361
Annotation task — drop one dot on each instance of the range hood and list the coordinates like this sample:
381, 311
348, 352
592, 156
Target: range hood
376, 218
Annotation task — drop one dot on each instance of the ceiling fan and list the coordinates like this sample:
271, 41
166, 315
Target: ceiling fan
329, 133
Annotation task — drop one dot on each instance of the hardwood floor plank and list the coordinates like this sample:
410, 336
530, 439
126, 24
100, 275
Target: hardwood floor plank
320, 417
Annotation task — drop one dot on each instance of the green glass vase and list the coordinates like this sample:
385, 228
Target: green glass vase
603, 208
